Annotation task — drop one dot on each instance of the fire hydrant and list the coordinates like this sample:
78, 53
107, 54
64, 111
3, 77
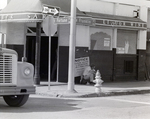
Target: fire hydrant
98, 82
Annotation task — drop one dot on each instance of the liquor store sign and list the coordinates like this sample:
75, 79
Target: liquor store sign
118, 23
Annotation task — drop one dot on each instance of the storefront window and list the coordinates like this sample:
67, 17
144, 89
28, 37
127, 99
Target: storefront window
126, 42
100, 39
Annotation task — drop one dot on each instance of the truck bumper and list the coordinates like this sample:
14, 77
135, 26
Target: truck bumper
16, 90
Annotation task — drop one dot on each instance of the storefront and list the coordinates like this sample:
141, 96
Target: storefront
20, 25
110, 42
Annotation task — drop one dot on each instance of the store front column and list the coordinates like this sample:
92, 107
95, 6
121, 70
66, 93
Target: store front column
141, 46
141, 51
114, 46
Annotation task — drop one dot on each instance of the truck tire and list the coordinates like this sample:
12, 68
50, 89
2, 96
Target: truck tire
16, 100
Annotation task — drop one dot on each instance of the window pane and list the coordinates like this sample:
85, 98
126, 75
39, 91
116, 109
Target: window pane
101, 39
126, 42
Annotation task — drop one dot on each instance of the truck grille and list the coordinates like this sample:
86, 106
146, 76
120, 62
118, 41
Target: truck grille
5, 69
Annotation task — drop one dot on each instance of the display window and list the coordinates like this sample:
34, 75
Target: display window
126, 42
101, 39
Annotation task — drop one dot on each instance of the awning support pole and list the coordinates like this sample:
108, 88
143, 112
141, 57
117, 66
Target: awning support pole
24, 58
37, 54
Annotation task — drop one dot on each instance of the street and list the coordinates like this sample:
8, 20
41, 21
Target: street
115, 107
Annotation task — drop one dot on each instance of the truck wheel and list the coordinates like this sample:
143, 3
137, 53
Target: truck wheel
16, 100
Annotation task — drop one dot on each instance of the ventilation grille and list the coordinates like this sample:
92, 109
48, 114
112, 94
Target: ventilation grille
128, 66
5, 69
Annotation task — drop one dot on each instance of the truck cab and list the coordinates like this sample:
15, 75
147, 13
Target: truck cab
16, 78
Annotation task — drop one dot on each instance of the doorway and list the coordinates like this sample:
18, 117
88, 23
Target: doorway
44, 51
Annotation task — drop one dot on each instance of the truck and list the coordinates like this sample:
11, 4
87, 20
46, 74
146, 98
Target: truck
16, 78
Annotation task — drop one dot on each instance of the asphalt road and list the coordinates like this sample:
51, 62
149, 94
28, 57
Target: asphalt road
116, 107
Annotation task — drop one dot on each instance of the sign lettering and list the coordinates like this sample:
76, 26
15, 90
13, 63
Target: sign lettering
38, 17
117, 23
28, 17
62, 20
85, 21
80, 64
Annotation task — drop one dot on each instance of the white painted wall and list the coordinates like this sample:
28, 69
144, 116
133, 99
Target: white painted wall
63, 31
107, 7
82, 35
84, 5
126, 10
95, 6
143, 13
141, 43
101, 7
15, 33
3, 27
142, 34
148, 19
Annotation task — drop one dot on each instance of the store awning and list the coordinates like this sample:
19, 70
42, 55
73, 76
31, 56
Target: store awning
32, 10
114, 21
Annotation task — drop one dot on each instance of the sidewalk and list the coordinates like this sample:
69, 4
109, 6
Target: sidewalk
58, 89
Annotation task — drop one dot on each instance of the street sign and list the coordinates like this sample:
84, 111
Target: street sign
62, 20
85, 21
51, 10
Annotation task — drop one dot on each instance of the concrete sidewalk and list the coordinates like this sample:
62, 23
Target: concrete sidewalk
108, 89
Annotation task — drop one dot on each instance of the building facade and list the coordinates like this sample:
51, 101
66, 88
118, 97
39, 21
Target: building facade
116, 43
113, 37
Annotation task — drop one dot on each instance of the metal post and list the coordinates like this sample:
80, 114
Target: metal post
24, 58
49, 57
72, 47
37, 54
2, 41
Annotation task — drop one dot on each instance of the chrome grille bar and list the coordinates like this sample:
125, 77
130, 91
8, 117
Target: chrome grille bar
5, 69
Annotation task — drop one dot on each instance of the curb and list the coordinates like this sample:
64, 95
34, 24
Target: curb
106, 94
103, 94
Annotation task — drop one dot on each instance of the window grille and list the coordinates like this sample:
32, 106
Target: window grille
128, 66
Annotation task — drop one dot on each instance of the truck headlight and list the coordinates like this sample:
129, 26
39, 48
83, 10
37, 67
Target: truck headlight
27, 71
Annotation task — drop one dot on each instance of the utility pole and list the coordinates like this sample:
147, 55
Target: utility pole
72, 47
